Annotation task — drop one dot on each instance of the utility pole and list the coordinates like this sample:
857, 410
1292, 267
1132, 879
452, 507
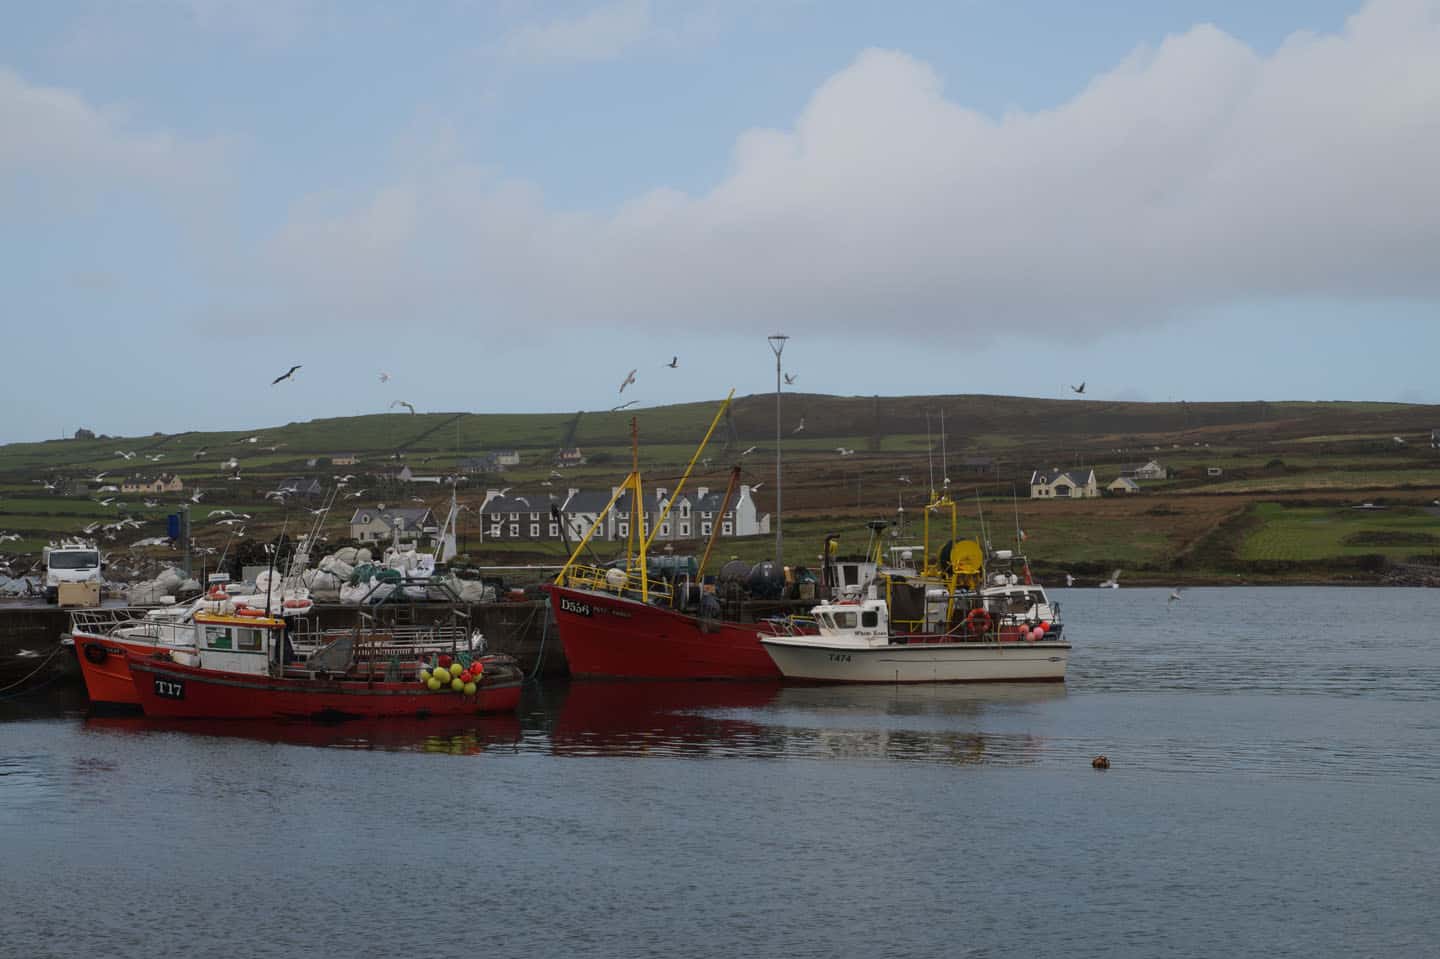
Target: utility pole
777, 346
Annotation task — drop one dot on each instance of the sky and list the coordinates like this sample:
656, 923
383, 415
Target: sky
508, 205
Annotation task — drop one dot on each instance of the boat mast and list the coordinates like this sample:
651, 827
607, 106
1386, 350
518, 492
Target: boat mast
777, 346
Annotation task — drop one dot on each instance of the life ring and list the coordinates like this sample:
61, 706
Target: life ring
979, 620
247, 611
298, 604
217, 593
96, 653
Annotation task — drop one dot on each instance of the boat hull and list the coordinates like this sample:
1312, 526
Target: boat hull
105, 666
608, 636
920, 662
171, 690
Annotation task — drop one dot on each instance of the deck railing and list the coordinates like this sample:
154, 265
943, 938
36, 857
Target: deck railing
621, 582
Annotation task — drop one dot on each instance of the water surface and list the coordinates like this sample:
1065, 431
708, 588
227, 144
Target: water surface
1273, 792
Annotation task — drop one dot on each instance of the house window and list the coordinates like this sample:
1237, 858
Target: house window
684, 510
727, 529
534, 517
684, 529
705, 515
704, 529
1062, 491
665, 529
624, 529
554, 529
514, 516
534, 530
514, 529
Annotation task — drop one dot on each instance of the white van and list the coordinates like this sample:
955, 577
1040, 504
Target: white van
71, 563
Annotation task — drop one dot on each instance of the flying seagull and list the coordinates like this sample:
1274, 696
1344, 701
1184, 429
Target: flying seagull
1174, 595
629, 378
1113, 582
800, 427
748, 452
790, 378
674, 362
286, 375
843, 451
627, 403
384, 377
124, 455
1080, 388
1069, 580
404, 404
195, 496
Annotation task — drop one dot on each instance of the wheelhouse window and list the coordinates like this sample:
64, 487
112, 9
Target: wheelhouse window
869, 619
249, 640
845, 620
217, 637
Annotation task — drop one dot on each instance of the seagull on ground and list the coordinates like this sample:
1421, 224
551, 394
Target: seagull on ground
151, 503
904, 479
108, 489
286, 375
1080, 388
150, 541
404, 404
629, 378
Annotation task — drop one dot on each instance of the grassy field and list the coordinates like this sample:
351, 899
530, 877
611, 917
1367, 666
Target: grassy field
1312, 533
1290, 471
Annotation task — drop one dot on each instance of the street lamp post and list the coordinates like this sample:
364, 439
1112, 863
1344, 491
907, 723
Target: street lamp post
777, 346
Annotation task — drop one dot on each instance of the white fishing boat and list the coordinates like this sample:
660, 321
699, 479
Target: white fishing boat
855, 644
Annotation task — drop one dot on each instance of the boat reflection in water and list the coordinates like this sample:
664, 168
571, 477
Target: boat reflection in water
645, 718
464, 736
932, 723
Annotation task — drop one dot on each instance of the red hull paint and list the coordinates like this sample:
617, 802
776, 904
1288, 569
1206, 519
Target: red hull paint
196, 693
108, 681
607, 636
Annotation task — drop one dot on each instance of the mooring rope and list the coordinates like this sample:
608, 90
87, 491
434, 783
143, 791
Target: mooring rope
26, 677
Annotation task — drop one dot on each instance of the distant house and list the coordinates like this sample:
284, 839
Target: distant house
507, 457
484, 463
164, 483
344, 459
1149, 470
570, 457
1123, 484
378, 525
581, 510
1214, 472
1063, 484
300, 487
506, 516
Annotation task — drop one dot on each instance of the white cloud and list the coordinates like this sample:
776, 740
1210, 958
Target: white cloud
604, 33
1195, 173
58, 139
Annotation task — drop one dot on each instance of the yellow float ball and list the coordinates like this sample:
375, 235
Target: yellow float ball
469, 689
456, 685
432, 683
424, 675
442, 674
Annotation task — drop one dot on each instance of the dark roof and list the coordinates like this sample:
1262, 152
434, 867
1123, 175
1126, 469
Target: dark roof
520, 503
587, 501
1078, 477
412, 515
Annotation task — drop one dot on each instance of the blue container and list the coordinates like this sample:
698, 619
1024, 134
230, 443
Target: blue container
172, 526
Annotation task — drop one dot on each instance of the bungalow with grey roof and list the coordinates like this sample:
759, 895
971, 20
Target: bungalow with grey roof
378, 524
1063, 484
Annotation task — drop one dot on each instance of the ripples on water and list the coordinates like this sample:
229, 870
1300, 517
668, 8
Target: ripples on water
1275, 761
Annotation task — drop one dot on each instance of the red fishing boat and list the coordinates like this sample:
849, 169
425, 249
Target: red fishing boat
622, 622
608, 634
235, 672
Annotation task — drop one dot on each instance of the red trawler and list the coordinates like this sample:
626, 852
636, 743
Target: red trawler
621, 623
234, 672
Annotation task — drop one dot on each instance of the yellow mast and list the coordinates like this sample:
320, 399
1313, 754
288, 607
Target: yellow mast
691, 465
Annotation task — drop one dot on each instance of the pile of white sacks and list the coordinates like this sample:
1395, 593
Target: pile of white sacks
162, 589
353, 576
